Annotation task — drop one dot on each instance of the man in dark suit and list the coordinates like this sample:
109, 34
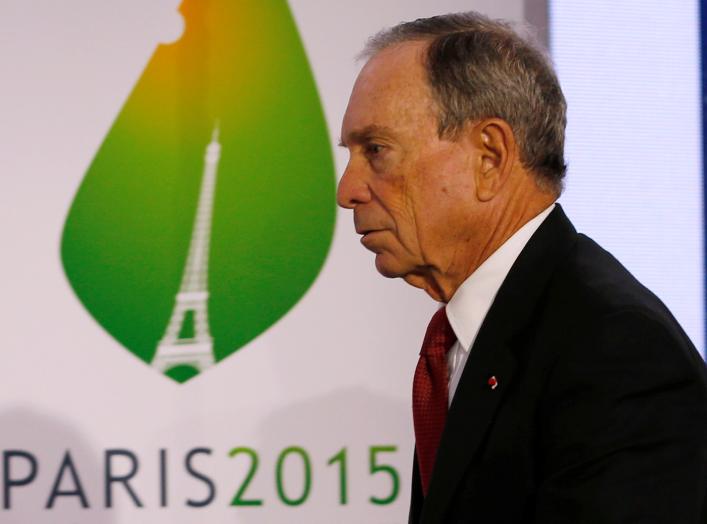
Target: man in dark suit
552, 386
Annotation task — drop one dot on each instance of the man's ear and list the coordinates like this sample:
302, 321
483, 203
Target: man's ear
496, 149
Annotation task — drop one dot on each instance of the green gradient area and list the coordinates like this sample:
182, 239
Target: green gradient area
127, 233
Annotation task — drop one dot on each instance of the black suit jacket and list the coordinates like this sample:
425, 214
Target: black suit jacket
600, 413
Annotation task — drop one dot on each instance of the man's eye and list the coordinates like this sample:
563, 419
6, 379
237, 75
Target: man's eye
374, 149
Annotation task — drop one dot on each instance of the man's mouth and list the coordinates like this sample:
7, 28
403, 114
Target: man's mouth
366, 232
367, 236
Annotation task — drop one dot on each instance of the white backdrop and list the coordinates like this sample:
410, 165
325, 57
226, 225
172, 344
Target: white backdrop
334, 372
631, 74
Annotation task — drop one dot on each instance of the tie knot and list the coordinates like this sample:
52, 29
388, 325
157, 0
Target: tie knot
440, 336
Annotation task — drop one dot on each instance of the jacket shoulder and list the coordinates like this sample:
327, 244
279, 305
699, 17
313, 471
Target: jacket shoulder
601, 285
592, 293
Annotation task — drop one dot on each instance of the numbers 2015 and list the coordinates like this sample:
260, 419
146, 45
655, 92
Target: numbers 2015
300, 460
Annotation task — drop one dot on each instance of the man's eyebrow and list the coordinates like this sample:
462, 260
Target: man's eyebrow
360, 136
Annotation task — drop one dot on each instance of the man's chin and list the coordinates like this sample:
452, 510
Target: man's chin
392, 268
387, 267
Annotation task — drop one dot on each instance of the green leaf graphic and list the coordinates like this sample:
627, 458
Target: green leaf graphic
238, 79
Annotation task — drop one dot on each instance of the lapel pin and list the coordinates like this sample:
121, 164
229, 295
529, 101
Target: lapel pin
493, 382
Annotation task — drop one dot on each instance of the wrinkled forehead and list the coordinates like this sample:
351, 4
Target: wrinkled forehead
391, 86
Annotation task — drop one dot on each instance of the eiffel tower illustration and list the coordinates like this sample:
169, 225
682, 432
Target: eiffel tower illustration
187, 339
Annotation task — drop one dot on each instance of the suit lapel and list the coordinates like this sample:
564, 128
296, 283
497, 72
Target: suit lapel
475, 402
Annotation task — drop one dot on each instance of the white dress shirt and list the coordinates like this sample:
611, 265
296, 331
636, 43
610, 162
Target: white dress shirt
472, 300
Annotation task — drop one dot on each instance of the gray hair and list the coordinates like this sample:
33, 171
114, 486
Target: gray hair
481, 68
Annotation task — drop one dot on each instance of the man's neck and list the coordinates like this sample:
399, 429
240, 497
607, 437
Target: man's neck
442, 283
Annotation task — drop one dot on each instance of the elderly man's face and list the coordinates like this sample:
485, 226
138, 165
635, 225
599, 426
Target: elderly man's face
411, 192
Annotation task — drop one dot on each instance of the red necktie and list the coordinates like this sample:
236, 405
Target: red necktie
430, 393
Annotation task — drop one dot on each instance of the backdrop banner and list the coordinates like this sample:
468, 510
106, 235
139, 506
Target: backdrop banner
191, 330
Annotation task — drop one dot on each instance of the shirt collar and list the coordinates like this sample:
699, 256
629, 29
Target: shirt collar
468, 306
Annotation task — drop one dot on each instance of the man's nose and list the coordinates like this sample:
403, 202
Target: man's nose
353, 188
